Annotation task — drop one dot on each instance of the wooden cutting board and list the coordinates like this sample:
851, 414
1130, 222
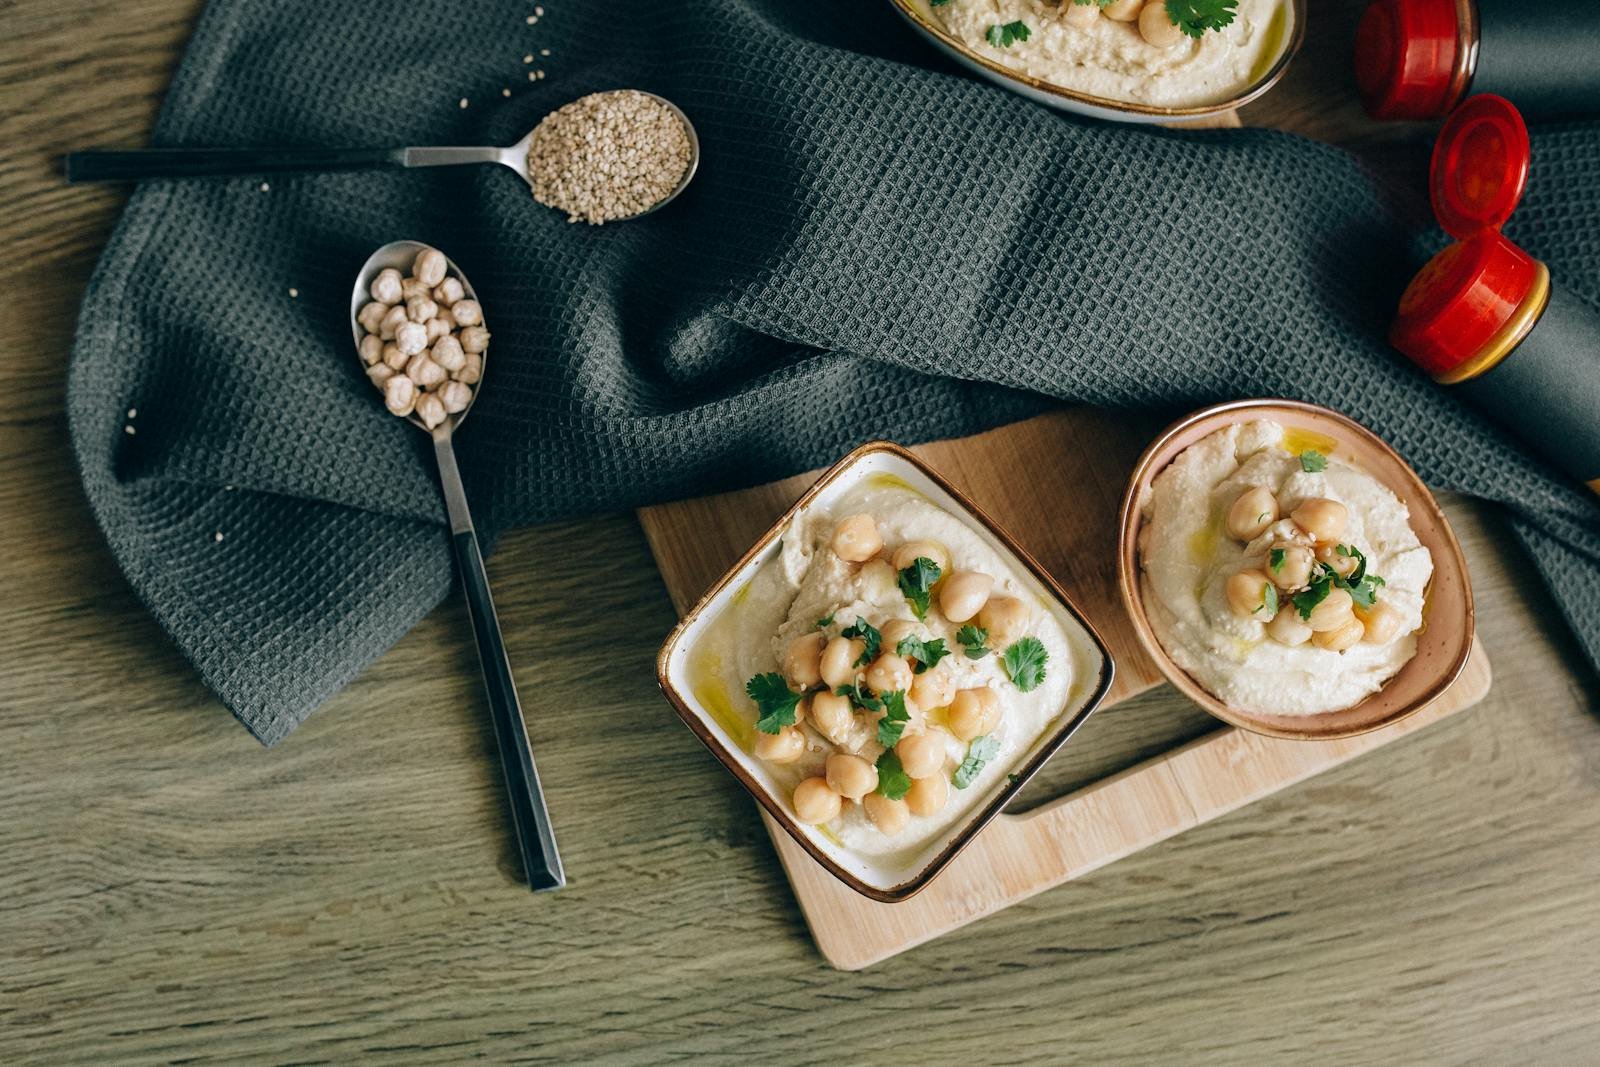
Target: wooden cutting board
1056, 483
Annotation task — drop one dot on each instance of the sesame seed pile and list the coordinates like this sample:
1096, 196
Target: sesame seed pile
608, 156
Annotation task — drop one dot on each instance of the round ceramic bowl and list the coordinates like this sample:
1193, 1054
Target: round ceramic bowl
1291, 32
1445, 640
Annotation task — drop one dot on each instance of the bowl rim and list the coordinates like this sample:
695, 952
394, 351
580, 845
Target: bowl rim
1131, 588
1020, 775
1249, 94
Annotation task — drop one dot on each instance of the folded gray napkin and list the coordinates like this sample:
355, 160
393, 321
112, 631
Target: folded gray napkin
876, 246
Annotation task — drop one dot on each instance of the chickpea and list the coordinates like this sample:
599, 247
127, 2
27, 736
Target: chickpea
934, 687
410, 287
411, 337
455, 396
1123, 10
896, 630
1156, 27
449, 291
973, 713
856, 539
802, 660
1322, 518
429, 267
908, 553
385, 288
472, 372
889, 816
448, 354
815, 801
927, 795
889, 673
424, 371
1344, 636
371, 316
1380, 623
1287, 628
395, 358
430, 409
1332, 613
1006, 618
876, 579
475, 339
839, 657
921, 754
785, 746
1079, 15
371, 349
850, 776
380, 373
1292, 569
1251, 514
421, 309
467, 313
963, 594
1344, 564
437, 328
832, 716
447, 318
393, 319
400, 395
1247, 594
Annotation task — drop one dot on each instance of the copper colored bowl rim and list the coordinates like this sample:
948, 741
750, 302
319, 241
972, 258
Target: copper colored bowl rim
1131, 588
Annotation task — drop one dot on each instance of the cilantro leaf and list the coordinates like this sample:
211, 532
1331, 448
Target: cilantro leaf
861, 698
972, 638
937, 3
925, 653
869, 634
1307, 599
1269, 600
1311, 461
895, 717
1365, 592
775, 701
1275, 559
1025, 663
1003, 35
915, 582
826, 620
1195, 17
979, 752
893, 781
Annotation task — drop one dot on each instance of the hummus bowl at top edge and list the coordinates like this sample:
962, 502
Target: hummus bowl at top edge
723, 718
1289, 27
1444, 642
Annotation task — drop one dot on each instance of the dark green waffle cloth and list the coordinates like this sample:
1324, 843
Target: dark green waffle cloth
876, 246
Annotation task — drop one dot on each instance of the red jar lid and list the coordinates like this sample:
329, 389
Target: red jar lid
1480, 165
1460, 300
1405, 58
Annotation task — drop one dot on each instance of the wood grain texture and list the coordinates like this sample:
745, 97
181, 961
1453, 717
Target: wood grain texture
171, 892
1065, 514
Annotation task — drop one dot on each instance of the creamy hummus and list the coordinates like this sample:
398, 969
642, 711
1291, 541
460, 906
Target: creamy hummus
1188, 558
1111, 59
807, 582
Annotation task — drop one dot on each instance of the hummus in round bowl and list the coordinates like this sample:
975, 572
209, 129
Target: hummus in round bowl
1281, 579
1117, 51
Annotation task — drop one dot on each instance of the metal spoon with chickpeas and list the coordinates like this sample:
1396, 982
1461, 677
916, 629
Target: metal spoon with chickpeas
605, 157
421, 338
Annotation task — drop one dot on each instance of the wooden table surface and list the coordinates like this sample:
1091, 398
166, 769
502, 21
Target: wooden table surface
169, 891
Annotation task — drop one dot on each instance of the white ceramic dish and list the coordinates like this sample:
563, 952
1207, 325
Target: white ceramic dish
901, 876
922, 19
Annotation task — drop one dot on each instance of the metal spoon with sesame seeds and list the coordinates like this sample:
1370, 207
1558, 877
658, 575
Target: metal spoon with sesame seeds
535, 835
137, 165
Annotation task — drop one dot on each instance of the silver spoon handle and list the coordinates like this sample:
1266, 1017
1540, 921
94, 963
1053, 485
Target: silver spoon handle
223, 162
535, 835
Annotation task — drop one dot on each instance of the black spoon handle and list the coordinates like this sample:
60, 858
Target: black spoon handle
223, 162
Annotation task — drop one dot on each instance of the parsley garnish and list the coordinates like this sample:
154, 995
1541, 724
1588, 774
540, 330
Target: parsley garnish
1002, 36
979, 752
1365, 592
1307, 599
1275, 559
893, 781
1311, 461
1195, 17
915, 581
972, 638
775, 701
860, 697
895, 717
826, 620
1024, 662
925, 653
868, 634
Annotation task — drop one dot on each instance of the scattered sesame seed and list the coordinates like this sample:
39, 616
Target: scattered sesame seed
505, 92
228, 488
217, 536
133, 413
538, 74
530, 20
608, 156
538, 11
533, 75
265, 187
293, 292
463, 101
129, 430
527, 59
543, 52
